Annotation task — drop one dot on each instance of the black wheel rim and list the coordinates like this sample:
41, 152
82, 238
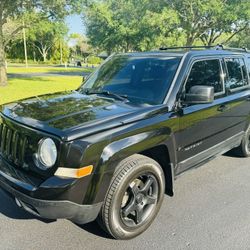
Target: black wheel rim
139, 200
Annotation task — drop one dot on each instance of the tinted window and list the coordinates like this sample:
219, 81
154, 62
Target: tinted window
208, 73
142, 79
248, 61
237, 73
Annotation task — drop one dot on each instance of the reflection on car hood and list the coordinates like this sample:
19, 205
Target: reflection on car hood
65, 113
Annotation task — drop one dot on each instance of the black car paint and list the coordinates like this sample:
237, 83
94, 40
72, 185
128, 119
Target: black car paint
101, 131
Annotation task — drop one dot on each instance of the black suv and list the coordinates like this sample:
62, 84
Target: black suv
112, 148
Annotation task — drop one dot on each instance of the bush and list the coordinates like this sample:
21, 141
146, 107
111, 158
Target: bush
94, 60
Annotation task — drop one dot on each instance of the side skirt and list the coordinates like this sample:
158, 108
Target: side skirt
210, 153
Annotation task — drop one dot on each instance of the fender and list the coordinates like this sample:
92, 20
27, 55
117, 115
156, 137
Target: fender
118, 150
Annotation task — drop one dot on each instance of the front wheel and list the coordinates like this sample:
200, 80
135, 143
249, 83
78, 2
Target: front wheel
134, 197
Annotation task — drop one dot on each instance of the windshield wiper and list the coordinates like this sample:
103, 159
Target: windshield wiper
107, 93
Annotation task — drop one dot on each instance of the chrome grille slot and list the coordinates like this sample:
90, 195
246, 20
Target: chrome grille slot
3, 139
12, 145
8, 143
15, 139
1, 127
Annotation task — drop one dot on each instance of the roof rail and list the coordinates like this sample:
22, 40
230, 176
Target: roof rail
217, 47
233, 49
187, 47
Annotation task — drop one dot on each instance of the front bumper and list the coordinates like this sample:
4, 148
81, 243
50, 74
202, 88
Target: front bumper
80, 214
29, 197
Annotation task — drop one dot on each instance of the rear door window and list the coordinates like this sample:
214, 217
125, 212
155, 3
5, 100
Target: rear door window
237, 73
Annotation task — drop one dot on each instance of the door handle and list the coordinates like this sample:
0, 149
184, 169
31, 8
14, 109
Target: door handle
222, 108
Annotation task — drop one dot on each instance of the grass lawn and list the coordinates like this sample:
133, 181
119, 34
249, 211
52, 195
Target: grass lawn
19, 88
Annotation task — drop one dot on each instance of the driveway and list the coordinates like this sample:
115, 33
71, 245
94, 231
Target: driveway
51, 74
210, 210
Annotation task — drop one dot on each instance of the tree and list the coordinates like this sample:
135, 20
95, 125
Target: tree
241, 40
209, 20
45, 34
80, 46
14, 10
59, 52
127, 25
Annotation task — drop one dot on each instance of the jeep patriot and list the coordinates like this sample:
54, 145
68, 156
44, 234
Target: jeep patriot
111, 149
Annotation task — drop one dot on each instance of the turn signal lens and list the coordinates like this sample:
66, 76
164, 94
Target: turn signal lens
84, 171
74, 173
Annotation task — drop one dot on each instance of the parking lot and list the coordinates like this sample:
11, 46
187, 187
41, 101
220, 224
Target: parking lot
210, 210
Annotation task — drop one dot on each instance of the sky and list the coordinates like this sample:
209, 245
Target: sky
75, 24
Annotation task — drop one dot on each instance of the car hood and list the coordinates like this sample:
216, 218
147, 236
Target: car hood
70, 115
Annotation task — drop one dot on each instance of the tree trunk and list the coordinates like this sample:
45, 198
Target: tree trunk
44, 55
3, 72
25, 47
189, 40
61, 53
34, 56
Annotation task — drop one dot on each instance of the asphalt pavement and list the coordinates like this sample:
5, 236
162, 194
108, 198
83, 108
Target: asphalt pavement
51, 74
210, 210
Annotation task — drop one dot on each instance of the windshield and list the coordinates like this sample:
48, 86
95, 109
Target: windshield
143, 80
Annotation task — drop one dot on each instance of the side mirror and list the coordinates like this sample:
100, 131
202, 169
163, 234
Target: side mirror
199, 95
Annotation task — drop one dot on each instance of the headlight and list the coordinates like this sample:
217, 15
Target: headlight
47, 152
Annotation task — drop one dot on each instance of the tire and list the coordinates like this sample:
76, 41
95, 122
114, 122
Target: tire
134, 197
244, 149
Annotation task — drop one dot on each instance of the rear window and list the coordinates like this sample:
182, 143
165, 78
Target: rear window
237, 73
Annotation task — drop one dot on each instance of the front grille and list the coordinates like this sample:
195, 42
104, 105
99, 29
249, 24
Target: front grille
12, 145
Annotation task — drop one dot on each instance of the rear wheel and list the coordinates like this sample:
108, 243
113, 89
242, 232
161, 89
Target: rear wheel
244, 148
134, 197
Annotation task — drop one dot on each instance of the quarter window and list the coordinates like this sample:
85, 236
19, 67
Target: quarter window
237, 73
248, 62
207, 73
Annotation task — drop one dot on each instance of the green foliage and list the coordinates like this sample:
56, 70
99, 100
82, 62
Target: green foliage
55, 56
16, 11
129, 25
45, 35
94, 60
53, 8
43, 42
120, 25
80, 48
242, 40
209, 20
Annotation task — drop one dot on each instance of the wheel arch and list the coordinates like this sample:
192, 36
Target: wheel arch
155, 144
161, 155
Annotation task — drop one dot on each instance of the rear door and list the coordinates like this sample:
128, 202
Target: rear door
237, 88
